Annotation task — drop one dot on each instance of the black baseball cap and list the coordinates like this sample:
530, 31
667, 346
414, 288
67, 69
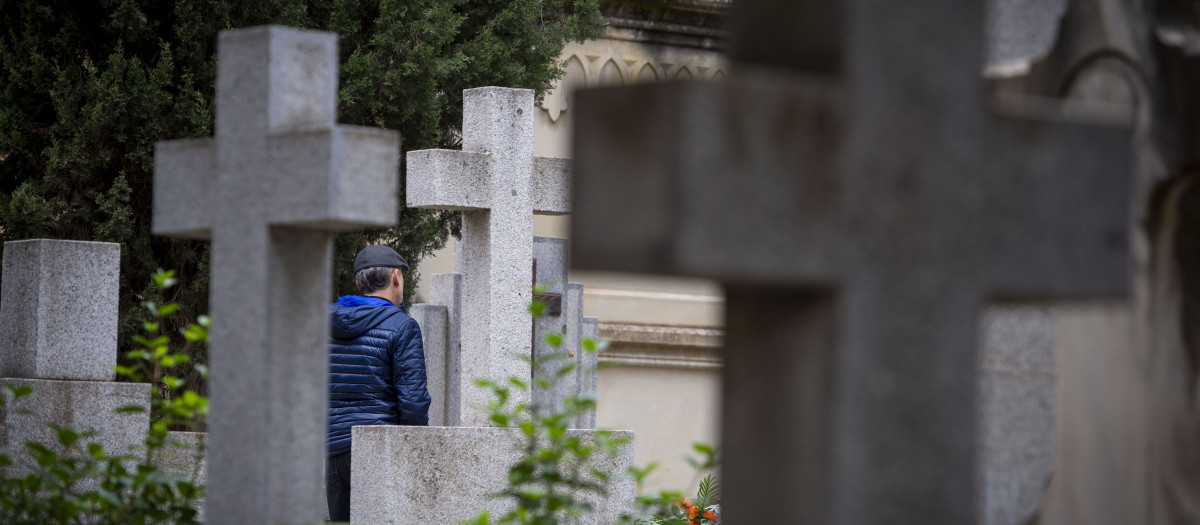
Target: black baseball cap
378, 255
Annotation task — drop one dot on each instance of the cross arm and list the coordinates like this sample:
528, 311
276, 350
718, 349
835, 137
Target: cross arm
447, 180
669, 176
1066, 187
333, 178
551, 186
184, 187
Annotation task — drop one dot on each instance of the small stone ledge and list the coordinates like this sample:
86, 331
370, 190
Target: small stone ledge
662, 346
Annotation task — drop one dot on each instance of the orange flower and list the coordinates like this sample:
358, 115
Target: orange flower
693, 512
683, 503
710, 515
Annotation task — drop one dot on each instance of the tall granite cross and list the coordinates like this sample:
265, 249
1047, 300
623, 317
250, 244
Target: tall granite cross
269, 189
860, 204
498, 184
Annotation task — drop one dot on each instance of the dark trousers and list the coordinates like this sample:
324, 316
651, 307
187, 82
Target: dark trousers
337, 486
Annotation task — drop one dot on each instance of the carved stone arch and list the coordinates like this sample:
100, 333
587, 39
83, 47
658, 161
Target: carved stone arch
575, 67
718, 75
683, 74
611, 74
647, 73
559, 99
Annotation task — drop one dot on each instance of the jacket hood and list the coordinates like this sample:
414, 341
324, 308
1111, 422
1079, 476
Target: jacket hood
352, 315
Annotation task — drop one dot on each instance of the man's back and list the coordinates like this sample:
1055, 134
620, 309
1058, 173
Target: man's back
377, 368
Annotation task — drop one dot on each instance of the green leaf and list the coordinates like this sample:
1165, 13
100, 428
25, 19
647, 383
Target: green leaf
66, 436
168, 309
555, 339
537, 308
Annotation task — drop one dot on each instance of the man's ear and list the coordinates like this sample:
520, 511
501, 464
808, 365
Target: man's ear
396, 278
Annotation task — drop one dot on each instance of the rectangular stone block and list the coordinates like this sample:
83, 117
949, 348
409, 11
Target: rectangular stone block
446, 290
589, 367
550, 262
186, 455
439, 475
433, 320
1016, 412
58, 309
80, 406
551, 186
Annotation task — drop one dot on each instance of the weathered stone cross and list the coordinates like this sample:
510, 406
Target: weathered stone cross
861, 205
498, 184
278, 178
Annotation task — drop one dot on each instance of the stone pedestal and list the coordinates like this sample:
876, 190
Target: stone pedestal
439, 475
81, 406
58, 325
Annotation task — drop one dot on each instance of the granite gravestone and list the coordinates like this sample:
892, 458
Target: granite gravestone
550, 275
58, 334
278, 178
861, 206
498, 184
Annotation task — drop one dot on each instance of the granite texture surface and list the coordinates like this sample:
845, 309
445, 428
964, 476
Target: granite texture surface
433, 320
185, 455
270, 188
446, 290
58, 309
81, 406
1016, 412
439, 475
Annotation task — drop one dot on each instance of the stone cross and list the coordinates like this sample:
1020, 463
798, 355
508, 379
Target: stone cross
498, 185
278, 178
860, 203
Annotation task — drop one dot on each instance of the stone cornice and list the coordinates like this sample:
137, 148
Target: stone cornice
687, 23
661, 346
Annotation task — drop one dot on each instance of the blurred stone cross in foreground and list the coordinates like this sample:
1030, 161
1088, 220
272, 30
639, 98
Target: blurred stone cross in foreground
861, 204
278, 178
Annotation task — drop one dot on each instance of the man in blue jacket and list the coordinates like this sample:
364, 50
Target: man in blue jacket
376, 365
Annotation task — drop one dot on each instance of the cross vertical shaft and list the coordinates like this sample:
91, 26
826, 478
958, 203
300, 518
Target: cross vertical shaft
278, 178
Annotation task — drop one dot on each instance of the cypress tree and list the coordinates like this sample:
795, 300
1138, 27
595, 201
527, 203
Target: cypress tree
86, 89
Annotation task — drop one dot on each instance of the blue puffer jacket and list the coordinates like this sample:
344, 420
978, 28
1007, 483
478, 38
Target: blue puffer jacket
376, 368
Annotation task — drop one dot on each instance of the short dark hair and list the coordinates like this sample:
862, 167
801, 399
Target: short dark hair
372, 280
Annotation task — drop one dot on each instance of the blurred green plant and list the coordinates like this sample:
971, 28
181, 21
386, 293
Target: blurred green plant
76, 481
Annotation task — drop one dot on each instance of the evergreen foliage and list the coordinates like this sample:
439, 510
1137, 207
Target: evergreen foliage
87, 88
